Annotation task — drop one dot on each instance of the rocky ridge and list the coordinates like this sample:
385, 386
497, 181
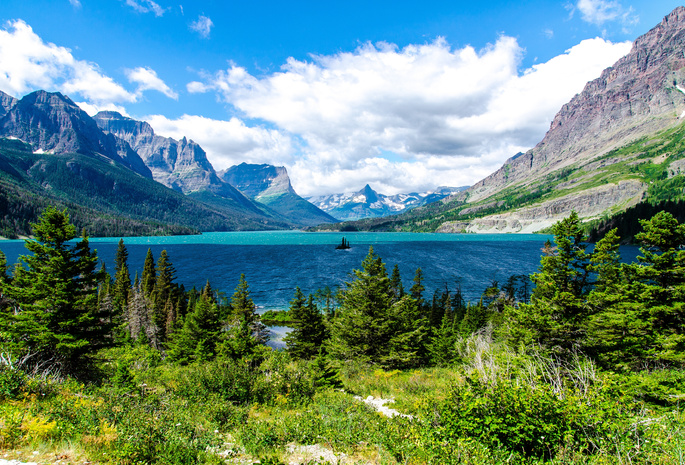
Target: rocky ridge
51, 122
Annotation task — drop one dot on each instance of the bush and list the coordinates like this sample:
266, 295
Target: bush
531, 422
12, 380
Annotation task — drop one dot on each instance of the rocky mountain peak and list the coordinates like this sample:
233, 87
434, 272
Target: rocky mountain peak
370, 195
6, 103
52, 122
258, 180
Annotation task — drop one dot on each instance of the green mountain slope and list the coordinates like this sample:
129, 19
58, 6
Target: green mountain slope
103, 196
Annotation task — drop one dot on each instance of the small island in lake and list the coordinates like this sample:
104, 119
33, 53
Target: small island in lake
343, 245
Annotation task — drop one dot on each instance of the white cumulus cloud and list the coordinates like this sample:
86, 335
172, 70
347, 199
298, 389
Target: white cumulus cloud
451, 115
230, 142
203, 26
27, 63
147, 79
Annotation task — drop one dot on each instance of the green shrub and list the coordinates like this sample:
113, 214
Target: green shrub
531, 422
12, 380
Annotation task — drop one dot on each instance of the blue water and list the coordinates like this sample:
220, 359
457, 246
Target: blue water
274, 263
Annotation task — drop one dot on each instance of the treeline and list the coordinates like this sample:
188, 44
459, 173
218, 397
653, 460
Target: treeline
20, 208
627, 223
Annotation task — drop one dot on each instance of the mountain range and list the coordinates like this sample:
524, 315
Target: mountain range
114, 174
618, 143
368, 203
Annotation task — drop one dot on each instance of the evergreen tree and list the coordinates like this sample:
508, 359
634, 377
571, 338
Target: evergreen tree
55, 314
475, 318
556, 315
660, 285
360, 331
198, 339
369, 327
304, 341
396, 284
615, 330
149, 276
163, 292
442, 347
417, 288
246, 332
122, 278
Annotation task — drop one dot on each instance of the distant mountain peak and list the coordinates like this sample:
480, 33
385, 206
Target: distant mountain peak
367, 203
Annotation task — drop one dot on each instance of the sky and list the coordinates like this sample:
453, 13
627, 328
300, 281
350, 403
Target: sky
402, 95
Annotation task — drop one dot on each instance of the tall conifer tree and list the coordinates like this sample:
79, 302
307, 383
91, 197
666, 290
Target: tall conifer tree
55, 315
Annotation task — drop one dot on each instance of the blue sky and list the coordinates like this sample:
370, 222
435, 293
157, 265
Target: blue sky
402, 95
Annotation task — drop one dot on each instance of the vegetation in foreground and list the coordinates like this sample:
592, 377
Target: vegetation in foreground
585, 369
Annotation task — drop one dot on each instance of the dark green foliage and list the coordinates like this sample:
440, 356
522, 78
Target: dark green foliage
370, 328
442, 348
556, 314
54, 313
396, 284
627, 223
246, 332
122, 278
149, 276
201, 333
309, 331
323, 374
12, 381
109, 199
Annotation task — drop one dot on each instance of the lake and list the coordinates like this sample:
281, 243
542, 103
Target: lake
275, 262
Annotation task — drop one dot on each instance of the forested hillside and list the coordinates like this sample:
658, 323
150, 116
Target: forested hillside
106, 198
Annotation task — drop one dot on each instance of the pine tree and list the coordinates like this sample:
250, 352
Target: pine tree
246, 332
149, 276
122, 278
304, 341
396, 284
557, 313
615, 329
163, 291
417, 288
55, 314
660, 285
370, 328
198, 339
360, 331
442, 348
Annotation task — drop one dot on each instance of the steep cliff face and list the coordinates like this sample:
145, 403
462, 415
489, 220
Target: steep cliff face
181, 165
258, 180
6, 103
643, 93
270, 186
51, 122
